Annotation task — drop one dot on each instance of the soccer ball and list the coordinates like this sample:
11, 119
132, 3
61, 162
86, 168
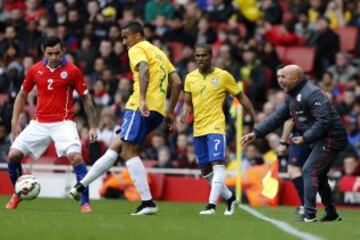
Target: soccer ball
27, 187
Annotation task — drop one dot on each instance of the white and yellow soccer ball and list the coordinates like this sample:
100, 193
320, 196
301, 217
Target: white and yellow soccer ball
27, 187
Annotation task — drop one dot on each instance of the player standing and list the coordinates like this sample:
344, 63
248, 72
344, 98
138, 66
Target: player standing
145, 111
205, 91
55, 79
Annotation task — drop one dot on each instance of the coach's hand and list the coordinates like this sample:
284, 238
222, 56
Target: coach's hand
15, 130
298, 140
92, 134
144, 109
248, 138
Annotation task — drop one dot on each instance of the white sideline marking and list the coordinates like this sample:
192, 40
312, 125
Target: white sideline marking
280, 224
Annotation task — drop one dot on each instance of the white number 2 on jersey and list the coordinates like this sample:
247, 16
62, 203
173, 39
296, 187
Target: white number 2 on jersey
50, 82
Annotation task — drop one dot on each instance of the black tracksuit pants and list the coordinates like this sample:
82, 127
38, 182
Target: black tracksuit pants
315, 177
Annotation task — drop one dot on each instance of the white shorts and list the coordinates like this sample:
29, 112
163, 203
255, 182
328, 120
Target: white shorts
36, 137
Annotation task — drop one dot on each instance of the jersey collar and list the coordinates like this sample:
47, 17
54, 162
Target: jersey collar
62, 63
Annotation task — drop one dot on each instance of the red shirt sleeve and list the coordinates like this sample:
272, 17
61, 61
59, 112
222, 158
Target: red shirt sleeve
79, 83
28, 83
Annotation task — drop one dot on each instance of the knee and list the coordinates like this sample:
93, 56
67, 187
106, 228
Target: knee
128, 151
75, 159
15, 155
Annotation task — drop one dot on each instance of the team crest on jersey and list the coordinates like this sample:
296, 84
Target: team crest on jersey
63, 75
215, 81
298, 97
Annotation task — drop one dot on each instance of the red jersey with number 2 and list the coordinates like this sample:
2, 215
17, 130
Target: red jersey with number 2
54, 90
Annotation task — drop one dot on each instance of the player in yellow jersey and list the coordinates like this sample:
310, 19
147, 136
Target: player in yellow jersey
145, 110
205, 92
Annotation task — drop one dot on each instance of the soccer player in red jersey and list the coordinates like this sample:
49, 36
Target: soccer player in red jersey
55, 79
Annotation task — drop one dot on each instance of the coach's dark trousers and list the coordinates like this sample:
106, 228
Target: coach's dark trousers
315, 177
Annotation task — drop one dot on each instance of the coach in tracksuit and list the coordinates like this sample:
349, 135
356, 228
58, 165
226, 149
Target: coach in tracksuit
320, 127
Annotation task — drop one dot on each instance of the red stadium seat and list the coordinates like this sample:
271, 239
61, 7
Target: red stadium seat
157, 185
347, 37
281, 52
302, 56
176, 49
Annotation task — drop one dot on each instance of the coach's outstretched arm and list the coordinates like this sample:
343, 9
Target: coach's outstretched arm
18, 107
175, 84
91, 116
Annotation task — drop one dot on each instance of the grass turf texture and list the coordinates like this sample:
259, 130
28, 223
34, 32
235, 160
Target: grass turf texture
61, 219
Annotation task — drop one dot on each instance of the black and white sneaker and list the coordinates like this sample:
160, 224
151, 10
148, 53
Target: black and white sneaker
145, 208
331, 218
300, 210
307, 219
210, 209
230, 206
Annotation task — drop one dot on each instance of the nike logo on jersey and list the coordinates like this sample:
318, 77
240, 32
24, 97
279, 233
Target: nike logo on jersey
216, 154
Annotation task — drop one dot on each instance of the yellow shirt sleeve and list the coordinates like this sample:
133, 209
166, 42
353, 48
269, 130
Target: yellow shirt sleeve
170, 67
137, 55
230, 85
187, 85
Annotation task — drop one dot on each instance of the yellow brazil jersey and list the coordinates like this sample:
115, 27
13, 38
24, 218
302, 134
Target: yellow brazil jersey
159, 69
208, 95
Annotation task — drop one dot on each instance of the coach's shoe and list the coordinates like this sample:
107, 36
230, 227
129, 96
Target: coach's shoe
307, 218
13, 202
85, 208
230, 206
75, 192
210, 209
300, 210
145, 208
331, 218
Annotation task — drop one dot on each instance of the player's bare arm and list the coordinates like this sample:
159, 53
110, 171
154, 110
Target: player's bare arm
188, 107
144, 77
91, 116
175, 85
244, 100
18, 107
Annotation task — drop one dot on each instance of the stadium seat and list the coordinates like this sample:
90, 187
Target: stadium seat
348, 36
302, 56
281, 51
157, 184
176, 51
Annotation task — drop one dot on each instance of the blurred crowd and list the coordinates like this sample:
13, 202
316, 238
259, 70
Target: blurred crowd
244, 34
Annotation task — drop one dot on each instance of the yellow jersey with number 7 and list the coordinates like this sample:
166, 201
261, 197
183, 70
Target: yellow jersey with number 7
208, 95
159, 69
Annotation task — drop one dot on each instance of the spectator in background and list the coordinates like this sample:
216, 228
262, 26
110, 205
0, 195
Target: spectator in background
342, 70
154, 8
351, 166
326, 43
60, 13
97, 70
157, 142
107, 53
328, 83
4, 143
205, 33
85, 55
347, 103
352, 127
304, 28
101, 96
33, 10
282, 36
32, 39
272, 11
107, 126
337, 13
164, 159
219, 10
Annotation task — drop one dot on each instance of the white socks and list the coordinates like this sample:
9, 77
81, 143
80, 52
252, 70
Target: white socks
217, 179
100, 167
138, 175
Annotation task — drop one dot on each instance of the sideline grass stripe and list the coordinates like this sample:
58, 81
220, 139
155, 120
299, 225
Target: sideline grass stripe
280, 224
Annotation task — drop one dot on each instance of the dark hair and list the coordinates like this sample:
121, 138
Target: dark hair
205, 46
51, 42
134, 27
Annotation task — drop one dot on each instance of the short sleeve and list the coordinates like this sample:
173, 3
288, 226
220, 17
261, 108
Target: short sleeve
136, 56
169, 67
230, 85
79, 83
28, 82
187, 85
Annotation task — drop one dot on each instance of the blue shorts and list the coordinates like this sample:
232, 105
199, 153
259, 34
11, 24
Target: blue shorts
298, 154
210, 148
136, 127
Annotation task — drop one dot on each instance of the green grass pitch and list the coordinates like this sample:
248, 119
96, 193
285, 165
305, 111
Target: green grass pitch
61, 219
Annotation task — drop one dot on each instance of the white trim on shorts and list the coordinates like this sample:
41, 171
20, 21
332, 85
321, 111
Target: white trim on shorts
130, 125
